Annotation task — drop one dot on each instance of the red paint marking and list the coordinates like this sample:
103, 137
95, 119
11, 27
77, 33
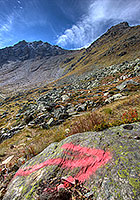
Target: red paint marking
88, 159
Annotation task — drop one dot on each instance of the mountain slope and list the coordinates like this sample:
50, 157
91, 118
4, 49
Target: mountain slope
120, 43
27, 65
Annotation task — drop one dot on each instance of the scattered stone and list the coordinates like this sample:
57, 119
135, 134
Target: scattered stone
45, 126
106, 94
114, 98
67, 130
31, 124
5, 162
128, 127
125, 83
51, 122
64, 98
82, 107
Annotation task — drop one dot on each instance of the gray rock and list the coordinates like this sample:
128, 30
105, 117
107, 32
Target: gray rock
72, 111
106, 94
42, 107
82, 107
64, 98
51, 122
125, 83
117, 178
114, 98
45, 125
31, 124
64, 115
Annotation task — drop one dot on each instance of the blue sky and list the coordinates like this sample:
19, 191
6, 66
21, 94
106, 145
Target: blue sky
70, 24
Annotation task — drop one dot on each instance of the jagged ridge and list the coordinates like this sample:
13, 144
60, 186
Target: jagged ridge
29, 50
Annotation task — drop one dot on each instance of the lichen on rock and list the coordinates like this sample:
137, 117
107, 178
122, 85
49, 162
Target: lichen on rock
106, 162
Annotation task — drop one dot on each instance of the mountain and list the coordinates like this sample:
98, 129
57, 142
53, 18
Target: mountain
47, 149
30, 64
120, 43
29, 50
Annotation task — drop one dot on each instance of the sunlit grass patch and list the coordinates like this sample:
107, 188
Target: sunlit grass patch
114, 114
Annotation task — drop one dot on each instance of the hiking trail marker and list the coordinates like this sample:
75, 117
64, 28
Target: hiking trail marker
88, 160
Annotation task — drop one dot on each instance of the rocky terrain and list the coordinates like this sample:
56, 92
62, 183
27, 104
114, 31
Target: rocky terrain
72, 95
42, 115
31, 121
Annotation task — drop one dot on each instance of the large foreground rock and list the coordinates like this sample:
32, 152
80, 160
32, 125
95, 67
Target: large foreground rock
106, 162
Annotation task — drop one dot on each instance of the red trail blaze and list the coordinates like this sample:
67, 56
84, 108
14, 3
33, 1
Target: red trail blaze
87, 159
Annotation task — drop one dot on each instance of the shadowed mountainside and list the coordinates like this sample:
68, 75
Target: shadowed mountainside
29, 50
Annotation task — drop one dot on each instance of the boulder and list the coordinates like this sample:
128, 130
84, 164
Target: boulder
72, 111
125, 83
51, 122
82, 107
105, 162
28, 118
64, 97
63, 115
114, 98
44, 125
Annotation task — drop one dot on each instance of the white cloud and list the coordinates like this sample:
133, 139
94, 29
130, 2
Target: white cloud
5, 27
101, 14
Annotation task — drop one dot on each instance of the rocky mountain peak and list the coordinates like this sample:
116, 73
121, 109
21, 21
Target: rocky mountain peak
29, 50
112, 33
21, 43
119, 28
122, 25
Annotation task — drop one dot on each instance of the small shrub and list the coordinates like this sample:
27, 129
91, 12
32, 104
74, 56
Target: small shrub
130, 116
92, 121
108, 111
29, 152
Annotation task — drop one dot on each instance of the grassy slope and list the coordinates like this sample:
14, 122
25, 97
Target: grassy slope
105, 51
38, 138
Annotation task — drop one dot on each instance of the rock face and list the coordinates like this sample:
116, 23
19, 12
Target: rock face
106, 162
29, 50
